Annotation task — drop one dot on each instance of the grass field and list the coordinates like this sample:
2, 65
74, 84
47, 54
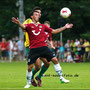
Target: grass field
13, 76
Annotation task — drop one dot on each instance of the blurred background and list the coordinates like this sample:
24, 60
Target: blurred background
80, 17
72, 47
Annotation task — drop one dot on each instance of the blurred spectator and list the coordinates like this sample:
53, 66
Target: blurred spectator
73, 48
58, 44
77, 57
10, 47
61, 52
82, 50
77, 42
4, 48
20, 45
89, 54
87, 48
78, 49
15, 51
69, 58
67, 46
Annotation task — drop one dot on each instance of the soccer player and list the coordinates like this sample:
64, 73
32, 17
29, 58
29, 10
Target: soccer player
38, 63
38, 46
28, 21
49, 36
46, 64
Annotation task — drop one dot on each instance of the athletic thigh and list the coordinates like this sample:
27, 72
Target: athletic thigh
38, 64
54, 60
46, 63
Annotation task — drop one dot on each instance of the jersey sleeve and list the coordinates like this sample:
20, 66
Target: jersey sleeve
28, 21
48, 29
27, 26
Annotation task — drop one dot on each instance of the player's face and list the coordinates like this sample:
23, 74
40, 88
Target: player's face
36, 16
39, 12
3, 40
47, 24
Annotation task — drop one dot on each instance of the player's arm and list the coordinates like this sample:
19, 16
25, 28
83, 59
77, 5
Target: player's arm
14, 20
67, 26
51, 43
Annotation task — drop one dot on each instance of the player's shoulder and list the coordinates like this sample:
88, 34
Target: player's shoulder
28, 21
42, 25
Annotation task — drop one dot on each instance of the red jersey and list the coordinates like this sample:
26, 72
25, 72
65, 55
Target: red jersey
48, 36
37, 34
4, 45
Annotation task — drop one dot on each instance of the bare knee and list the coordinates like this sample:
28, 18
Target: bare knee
47, 64
54, 60
30, 67
37, 65
37, 68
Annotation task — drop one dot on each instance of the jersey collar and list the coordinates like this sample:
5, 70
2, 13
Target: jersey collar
34, 23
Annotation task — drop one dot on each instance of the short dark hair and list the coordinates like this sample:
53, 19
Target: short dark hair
34, 10
47, 22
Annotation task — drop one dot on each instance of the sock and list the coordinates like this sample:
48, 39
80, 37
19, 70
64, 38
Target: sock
58, 69
42, 71
29, 77
33, 72
42, 64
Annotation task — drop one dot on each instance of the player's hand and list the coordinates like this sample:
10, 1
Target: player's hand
68, 26
14, 20
53, 47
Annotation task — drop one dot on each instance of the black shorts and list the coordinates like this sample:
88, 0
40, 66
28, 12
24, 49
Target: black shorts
35, 53
4, 53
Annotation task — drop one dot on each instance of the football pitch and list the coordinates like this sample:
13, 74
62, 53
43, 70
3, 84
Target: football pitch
13, 76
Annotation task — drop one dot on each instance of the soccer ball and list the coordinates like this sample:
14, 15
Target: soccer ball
65, 12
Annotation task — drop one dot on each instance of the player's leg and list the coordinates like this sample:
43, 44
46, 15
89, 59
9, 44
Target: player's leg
42, 64
32, 57
58, 69
42, 71
44, 67
47, 65
29, 75
50, 56
35, 70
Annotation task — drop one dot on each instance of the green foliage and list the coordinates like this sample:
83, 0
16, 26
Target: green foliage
80, 16
8, 9
87, 36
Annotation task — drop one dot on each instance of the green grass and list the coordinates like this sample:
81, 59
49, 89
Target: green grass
13, 76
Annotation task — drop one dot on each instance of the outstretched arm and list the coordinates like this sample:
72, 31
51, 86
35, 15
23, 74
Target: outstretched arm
67, 26
14, 20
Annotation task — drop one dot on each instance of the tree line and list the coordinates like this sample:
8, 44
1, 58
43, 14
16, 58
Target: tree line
80, 16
